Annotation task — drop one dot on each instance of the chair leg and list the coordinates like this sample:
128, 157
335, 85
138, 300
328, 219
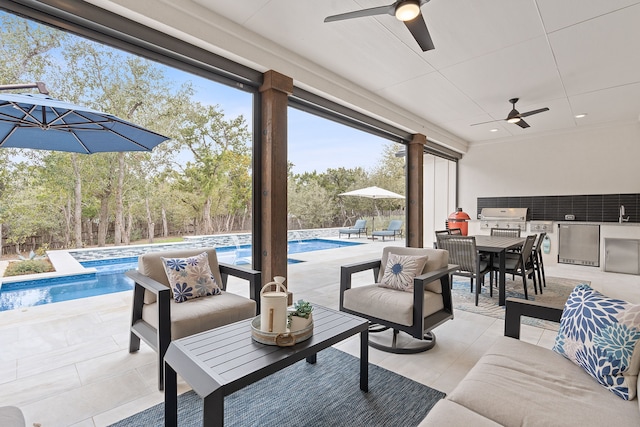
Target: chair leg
477, 290
524, 285
537, 267
134, 343
544, 279
160, 371
535, 283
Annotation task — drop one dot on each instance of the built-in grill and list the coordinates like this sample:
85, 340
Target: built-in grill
503, 218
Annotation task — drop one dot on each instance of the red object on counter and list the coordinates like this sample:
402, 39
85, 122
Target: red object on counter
458, 219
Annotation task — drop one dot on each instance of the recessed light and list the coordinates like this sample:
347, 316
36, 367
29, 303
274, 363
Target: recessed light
581, 115
494, 130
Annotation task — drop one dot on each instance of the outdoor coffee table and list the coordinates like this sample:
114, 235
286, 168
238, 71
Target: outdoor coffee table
223, 360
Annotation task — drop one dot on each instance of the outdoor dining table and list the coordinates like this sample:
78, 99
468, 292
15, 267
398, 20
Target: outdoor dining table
499, 245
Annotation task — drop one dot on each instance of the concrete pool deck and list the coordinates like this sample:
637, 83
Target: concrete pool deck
68, 364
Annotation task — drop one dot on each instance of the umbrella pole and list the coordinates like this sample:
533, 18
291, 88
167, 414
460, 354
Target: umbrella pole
373, 221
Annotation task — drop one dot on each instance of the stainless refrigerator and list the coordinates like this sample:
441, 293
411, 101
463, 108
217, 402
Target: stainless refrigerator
579, 244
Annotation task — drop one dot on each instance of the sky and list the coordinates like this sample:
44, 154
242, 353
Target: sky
314, 143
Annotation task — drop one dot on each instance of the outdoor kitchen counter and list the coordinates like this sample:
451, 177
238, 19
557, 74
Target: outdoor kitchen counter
602, 224
608, 230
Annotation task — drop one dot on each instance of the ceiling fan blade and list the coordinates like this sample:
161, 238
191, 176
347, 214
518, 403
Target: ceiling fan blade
484, 123
418, 29
531, 113
381, 10
522, 124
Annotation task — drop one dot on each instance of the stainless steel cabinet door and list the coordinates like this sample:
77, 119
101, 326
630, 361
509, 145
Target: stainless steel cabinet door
622, 256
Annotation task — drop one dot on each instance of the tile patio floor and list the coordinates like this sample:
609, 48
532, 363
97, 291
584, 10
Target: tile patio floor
67, 364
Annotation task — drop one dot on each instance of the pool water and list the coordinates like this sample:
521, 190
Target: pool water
109, 276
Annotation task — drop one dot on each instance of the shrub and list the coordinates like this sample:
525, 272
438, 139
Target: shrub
18, 268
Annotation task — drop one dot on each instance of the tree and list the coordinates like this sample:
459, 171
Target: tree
128, 87
27, 205
218, 177
390, 174
341, 180
24, 48
309, 204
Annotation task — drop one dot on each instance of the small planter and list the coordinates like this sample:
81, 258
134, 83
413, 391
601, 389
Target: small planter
300, 316
298, 323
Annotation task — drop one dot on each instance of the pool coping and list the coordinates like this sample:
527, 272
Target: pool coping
64, 263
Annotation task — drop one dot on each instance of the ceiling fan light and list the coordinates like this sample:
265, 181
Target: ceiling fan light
408, 10
513, 120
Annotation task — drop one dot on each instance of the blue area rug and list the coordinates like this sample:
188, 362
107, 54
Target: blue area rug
325, 394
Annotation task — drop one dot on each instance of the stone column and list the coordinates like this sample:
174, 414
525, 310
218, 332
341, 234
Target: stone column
415, 191
275, 90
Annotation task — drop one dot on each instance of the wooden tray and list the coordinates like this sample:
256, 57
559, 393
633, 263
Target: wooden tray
285, 339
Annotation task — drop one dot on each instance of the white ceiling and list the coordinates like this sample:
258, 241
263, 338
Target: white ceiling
573, 56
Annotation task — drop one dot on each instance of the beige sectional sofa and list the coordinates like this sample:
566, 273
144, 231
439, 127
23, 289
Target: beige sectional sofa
519, 384
10, 416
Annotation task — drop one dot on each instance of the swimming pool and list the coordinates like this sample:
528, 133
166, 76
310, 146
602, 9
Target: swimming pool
109, 276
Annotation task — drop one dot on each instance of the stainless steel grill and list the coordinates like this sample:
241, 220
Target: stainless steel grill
503, 218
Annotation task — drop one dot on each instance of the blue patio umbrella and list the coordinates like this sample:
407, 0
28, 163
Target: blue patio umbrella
40, 122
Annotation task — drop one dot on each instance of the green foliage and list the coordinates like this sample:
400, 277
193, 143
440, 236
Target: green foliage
42, 250
47, 194
18, 268
302, 309
310, 205
23, 47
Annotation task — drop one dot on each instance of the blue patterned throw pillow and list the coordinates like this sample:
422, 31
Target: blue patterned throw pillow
601, 334
401, 270
190, 277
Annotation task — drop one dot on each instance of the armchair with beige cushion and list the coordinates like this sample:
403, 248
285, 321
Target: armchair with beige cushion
411, 294
194, 301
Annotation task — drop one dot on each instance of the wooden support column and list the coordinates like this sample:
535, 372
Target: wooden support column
275, 91
415, 191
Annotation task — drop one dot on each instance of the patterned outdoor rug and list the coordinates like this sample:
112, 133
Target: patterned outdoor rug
556, 293
325, 394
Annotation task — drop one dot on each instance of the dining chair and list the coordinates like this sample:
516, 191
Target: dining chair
520, 264
463, 252
537, 248
505, 232
440, 233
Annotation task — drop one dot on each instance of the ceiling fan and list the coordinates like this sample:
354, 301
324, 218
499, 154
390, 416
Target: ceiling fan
515, 117
407, 11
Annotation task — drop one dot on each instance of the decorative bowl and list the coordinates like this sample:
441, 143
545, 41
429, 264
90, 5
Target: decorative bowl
286, 339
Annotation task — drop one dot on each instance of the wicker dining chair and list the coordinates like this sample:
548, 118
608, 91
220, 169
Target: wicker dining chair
521, 264
463, 252
505, 232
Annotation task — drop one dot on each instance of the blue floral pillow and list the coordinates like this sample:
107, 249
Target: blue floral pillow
401, 270
601, 334
190, 277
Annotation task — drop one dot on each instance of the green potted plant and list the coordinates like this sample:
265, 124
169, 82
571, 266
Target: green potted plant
300, 317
